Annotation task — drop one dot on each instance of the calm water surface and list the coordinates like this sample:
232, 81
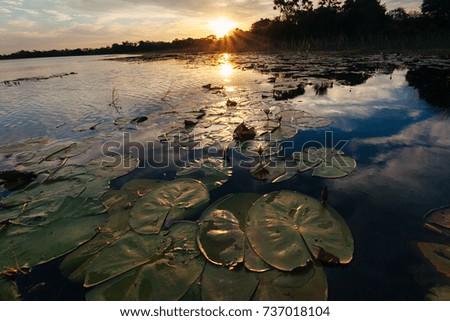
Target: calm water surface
401, 144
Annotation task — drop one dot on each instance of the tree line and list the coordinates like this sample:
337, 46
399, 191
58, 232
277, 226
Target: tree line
337, 24
332, 25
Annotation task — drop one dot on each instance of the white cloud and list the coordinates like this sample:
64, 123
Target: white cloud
426, 133
58, 16
22, 23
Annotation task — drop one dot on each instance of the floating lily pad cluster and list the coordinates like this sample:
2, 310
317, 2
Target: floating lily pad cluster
267, 166
438, 254
57, 208
213, 172
151, 247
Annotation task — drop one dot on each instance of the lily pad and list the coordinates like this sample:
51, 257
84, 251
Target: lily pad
280, 133
175, 270
268, 171
239, 204
68, 228
37, 192
220, 238
71, 150
288, 229
221, 235
438, 255
132, 250
255, 148
27, 145
141, 187
222, 284
327, 162
118, 205
307, 284
176, 200
212, 172
8, 290
252, 261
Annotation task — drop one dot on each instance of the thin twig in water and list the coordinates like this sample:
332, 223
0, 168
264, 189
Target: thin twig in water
166, 97
114, 100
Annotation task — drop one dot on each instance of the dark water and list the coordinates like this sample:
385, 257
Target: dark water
400, 141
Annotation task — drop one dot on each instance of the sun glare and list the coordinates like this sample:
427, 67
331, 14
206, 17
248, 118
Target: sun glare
222, 26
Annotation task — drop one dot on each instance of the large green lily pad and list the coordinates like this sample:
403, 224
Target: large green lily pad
175, 200
67, 228
327, 162
117, 202
175, 270
132, 250
307, 284
222, 284
288, 229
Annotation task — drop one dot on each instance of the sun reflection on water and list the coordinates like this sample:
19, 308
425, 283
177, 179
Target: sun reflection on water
225, 67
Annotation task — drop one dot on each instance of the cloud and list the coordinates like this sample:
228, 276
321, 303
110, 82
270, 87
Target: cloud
409, 173
22, 23
58, 16
426, 133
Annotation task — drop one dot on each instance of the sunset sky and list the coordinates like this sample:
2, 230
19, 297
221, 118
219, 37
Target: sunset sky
59, 24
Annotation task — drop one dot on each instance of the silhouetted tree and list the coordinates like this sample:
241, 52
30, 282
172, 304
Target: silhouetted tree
330, 4
289, 8
398, 14
364, 16
436, 9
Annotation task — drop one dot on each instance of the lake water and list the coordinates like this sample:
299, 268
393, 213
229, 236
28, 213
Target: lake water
400, 141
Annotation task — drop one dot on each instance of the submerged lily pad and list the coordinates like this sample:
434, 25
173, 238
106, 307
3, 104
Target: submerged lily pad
288, 229
222, 284
438, 255
327, 162
175, 200
8, 290
174, 267
307, 284
27, 145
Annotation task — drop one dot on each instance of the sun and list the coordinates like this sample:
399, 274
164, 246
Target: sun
222, 26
